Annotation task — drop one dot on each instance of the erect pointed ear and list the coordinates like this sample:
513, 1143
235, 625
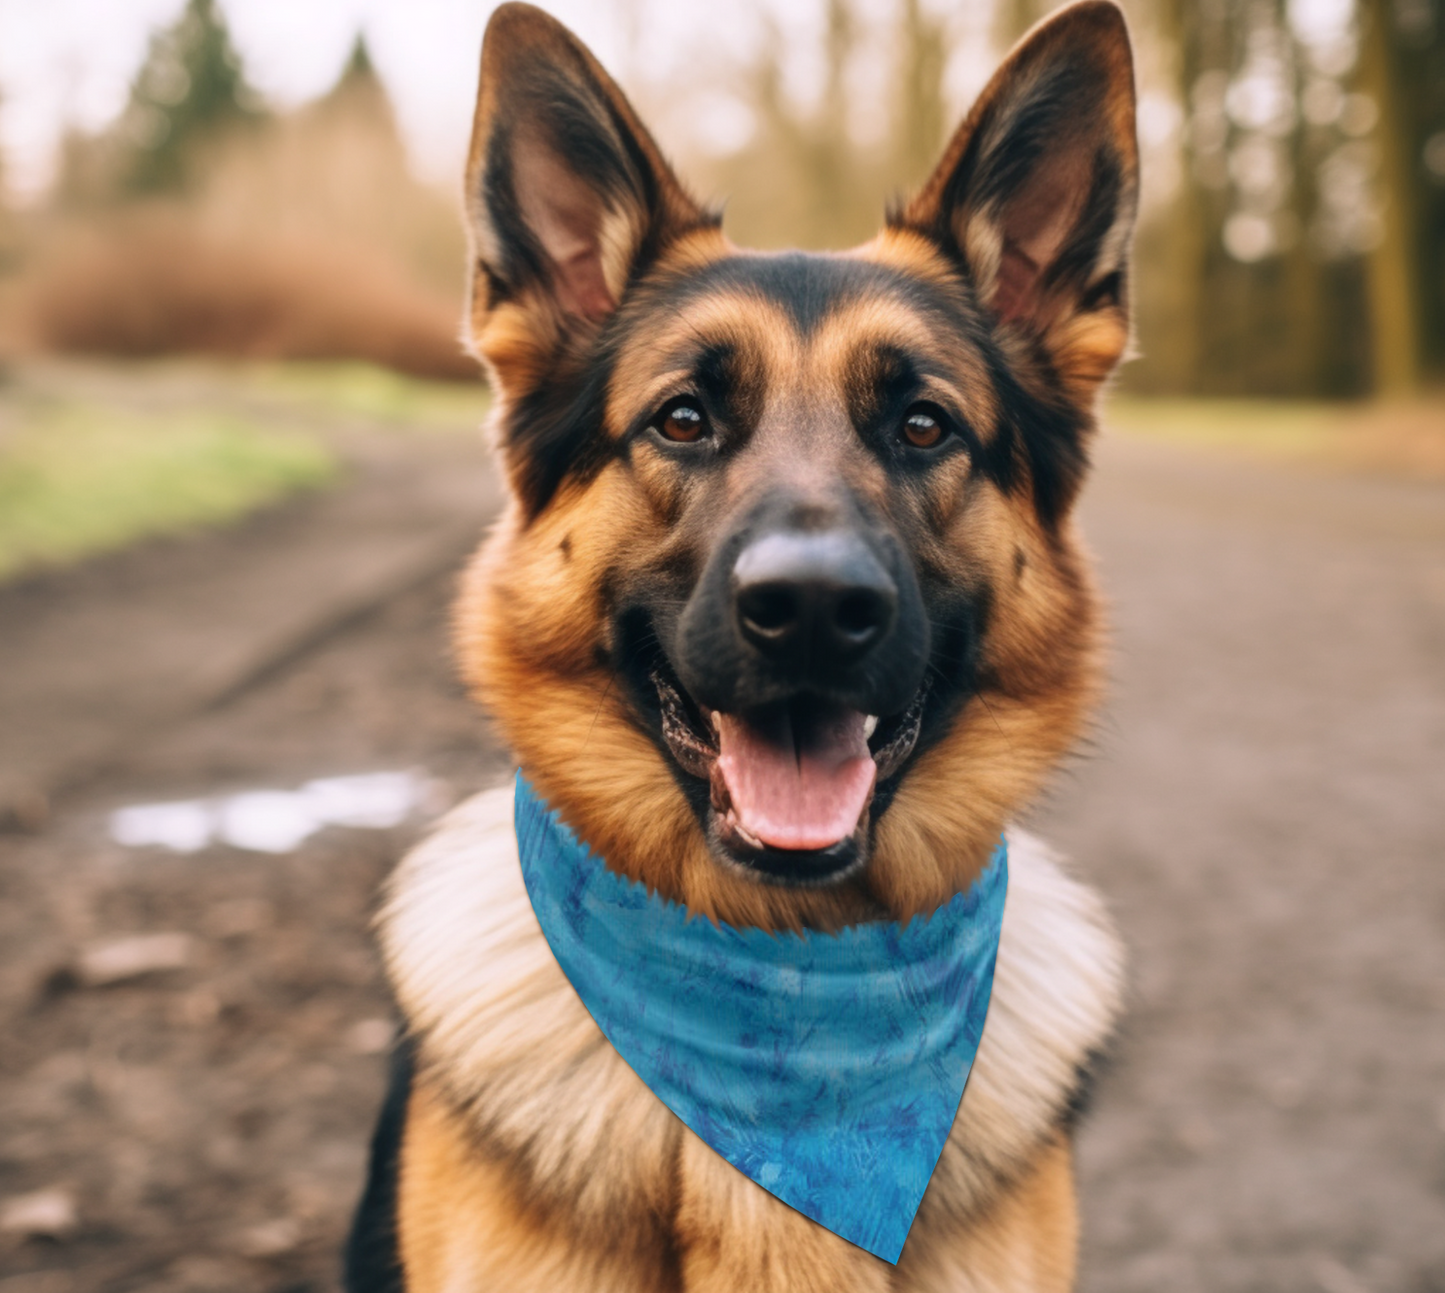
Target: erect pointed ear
567, 194
1037, 191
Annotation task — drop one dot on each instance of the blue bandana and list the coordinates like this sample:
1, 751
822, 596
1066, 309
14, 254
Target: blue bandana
826, 1067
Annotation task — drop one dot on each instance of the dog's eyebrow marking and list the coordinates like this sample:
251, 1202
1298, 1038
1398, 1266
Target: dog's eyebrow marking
810, 286
726, 375
721, 346
878, 378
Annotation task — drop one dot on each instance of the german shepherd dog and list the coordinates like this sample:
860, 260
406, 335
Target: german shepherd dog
788, 619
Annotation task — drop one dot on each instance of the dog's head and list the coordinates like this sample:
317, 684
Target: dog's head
788, 590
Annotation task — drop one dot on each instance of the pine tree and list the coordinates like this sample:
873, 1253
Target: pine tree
189, 89
359, 90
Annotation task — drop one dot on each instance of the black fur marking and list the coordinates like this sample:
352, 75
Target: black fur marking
556, 431
809, 286
1053, 439
494, 290
1107, 293
958, 626
878, 388
1015, 139
734, 386
879, 383
372, 1261
1087, 1076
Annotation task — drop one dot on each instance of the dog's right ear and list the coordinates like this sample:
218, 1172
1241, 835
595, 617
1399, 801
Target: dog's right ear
568, 197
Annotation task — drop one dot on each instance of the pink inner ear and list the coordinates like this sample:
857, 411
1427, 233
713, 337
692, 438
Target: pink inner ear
1013, 295
581, 286
1035, 225
566, 215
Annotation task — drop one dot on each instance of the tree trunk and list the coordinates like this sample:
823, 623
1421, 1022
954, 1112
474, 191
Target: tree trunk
1394, 298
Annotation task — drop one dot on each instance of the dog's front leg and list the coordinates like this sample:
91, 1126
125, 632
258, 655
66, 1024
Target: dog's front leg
735, 1236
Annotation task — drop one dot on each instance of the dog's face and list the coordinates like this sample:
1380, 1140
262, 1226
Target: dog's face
789, 590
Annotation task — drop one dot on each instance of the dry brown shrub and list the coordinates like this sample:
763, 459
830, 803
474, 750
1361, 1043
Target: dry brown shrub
309, 238
154, 282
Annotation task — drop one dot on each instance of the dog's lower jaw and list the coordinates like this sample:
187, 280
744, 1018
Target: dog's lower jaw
740, 851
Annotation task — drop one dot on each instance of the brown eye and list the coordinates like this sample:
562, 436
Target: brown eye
922, 430
683, 423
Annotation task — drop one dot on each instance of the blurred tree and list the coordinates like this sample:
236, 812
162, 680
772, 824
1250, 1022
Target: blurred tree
358, 76
1403, 70
1260, 253
332, 173
805, 177
1394, 295
189, 89
360, 95
921, 111
9, 253
801, 179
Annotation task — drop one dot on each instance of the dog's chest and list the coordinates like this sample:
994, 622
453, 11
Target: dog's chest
504, 1037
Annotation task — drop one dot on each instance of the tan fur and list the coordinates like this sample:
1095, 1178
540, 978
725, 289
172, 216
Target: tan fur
1027, 1238
463, 1225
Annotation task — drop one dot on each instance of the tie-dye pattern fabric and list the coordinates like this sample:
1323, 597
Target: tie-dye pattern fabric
827, 1068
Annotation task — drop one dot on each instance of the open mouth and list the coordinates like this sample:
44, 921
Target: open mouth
790, 784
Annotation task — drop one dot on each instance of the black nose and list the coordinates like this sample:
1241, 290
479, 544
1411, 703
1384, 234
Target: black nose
813, 599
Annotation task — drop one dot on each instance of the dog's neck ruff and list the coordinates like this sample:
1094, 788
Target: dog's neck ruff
827, 1068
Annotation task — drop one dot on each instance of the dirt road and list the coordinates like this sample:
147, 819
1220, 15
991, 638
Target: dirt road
1262, 803
1265, 807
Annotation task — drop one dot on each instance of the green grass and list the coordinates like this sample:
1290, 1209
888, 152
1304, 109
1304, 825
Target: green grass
77, 479
97, 455
370, 394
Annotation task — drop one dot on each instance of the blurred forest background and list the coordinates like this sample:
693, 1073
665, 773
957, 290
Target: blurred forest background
1290, 261
1293, 240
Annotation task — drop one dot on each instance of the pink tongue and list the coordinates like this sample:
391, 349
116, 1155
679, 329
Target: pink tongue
797, 783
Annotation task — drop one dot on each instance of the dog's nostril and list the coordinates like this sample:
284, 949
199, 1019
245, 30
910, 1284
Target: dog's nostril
860, 614
768, 609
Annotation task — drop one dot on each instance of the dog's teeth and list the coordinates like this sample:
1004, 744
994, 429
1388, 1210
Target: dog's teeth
870, 725
715, 719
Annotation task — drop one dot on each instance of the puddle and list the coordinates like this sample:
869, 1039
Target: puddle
275, 821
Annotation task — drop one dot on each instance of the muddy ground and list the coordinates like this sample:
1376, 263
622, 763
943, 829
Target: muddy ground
1262, 804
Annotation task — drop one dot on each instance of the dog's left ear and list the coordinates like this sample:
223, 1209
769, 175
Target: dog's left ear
568, 196
1037, 191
